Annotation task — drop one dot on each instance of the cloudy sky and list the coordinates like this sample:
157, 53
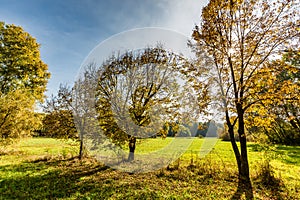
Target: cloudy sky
69, 29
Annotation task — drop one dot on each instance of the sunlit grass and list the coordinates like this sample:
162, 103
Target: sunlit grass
43, 168
32, 148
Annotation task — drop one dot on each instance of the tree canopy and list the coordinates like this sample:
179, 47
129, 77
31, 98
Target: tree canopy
137, 93
20, 64
23, 80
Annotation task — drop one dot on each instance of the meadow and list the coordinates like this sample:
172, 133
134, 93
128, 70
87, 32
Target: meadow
45, 168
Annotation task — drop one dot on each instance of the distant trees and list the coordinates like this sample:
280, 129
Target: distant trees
23, 80
240, 37
183, 131
209, 129
196, 129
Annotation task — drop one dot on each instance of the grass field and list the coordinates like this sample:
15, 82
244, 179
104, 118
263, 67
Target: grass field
42, 168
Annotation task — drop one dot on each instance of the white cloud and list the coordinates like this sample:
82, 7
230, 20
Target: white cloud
182, 15
66, 42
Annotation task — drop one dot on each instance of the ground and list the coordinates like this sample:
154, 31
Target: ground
43, 168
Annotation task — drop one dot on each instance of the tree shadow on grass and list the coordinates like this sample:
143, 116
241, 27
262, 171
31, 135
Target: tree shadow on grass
271, 191
287, 154
72, 178
292, 153
49, 179
243, 188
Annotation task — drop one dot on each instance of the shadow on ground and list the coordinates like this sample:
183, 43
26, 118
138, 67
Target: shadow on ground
46, 178
42, 179
287, 154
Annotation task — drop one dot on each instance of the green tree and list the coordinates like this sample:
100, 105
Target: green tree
23, 79
240, 37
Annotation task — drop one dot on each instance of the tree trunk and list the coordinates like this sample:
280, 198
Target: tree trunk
244, 175
131, 144
244, 184
235, 148
233, 142
81, 150
244, 155
292, 121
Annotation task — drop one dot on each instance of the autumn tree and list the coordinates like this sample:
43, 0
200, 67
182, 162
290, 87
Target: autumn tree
136, 93
240, 39
23, 80
20, 64
183, 131
58, 121
292, 107
280, 120
17, 118
68, 114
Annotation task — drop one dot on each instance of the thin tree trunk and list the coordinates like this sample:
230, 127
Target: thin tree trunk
131, 144
81, 150
235, 148
233, 142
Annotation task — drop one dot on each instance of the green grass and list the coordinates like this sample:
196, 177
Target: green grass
42, 168
31, 148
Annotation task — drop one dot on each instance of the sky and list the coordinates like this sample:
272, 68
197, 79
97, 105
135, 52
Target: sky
68, 30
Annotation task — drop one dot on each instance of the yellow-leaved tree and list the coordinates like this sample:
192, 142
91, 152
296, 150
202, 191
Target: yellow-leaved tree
240, 37
23, 80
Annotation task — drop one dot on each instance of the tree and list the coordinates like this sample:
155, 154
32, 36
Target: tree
58, 121
240, 38
292, 106
137, 94
83, 107
23, 79
17, 117
281, 113
172, 128
20, 64
183, 131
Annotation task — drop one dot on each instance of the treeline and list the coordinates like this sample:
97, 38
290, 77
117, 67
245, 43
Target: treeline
196, 129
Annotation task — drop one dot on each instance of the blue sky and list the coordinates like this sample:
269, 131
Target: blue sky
69, 29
